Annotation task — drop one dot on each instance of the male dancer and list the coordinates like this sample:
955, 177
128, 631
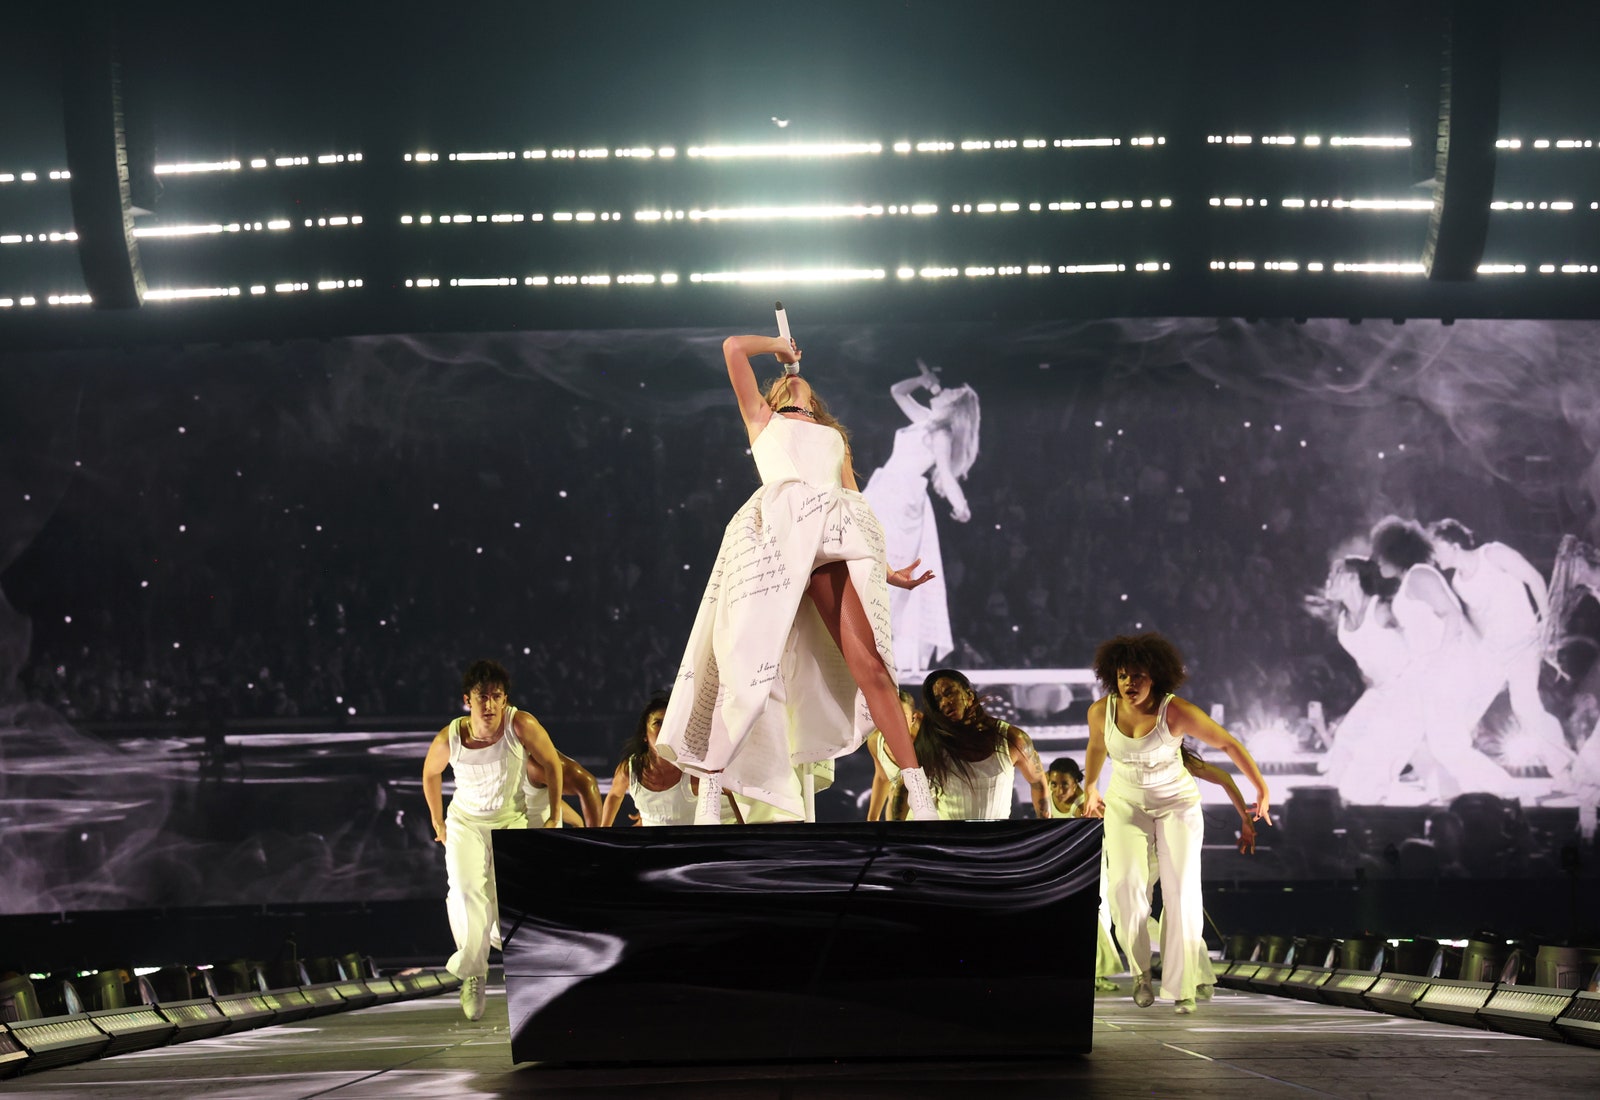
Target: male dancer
486, 751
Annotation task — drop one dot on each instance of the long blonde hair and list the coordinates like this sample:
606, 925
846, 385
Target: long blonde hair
777, 392
960, 418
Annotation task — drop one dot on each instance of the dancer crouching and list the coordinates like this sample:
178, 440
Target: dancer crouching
1153, 801
789, 660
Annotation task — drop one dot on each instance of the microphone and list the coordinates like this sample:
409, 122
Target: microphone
783, 331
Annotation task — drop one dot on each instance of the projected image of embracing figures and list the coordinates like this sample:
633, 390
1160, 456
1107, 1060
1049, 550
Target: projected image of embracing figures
1443, 627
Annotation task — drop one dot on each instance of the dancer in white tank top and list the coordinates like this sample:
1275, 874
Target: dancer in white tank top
1506, 602
971, 757
1443, 668
1067, 800
662, 792
1153, 801
485, 751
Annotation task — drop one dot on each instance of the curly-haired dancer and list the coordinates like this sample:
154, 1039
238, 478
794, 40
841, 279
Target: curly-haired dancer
1153, 801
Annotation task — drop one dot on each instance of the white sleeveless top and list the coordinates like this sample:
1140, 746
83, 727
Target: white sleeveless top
488, 780
988, 794
1498, 602
1153, 760
673, 806
1378, 650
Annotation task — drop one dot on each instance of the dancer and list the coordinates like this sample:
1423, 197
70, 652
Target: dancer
575, 778
882, 803
971, 756
788, 662
1366, 758
935, 449
1506, 603
662, 793
1442, 666
484, 750
1067, 800
1153, 801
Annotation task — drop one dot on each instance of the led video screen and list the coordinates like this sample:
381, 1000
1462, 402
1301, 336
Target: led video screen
241, 581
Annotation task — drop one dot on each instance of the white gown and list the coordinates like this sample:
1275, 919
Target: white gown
762, 687
898, 493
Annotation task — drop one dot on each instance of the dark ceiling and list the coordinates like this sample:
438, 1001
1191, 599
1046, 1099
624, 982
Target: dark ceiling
216, 84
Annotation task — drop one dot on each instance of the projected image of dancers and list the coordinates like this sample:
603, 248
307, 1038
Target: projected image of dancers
933, 451
789, 659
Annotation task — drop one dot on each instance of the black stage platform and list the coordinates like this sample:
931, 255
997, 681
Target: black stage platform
1239, 1045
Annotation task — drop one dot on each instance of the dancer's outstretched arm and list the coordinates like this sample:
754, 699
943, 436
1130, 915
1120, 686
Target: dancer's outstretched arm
543, 752
1187, 720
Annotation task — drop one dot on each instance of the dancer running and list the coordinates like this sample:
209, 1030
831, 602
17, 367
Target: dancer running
1153, 801
971, 756
936, 449
485, 750
789, 659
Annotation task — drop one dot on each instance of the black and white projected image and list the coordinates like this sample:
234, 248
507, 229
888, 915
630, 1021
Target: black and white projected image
240, 582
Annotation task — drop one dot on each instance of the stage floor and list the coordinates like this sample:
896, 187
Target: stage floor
1239, 1045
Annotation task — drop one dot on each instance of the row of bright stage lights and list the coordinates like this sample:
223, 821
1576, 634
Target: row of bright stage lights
30, 1041
801, 276
799, 212
1470, 983
809, 150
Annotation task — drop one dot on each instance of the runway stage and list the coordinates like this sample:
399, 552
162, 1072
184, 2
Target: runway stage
1239, 1045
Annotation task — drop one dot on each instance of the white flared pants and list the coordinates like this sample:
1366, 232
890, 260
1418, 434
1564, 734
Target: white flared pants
472, 902
1169, 818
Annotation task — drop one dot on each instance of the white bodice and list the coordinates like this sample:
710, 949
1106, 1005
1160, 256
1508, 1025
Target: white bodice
798, 450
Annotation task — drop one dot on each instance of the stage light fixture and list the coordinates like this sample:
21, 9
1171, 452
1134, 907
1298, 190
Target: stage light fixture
1370, 142
809, 149
1502, 269
1454, 1002
197, 167
179, 293
1508, 143
778, 276
1381, 268
1396, 994
59, 1040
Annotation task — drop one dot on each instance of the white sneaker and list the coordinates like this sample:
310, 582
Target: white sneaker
1184, 1007
473, 998
1143, 995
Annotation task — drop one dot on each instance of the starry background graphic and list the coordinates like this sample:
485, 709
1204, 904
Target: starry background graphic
240, 580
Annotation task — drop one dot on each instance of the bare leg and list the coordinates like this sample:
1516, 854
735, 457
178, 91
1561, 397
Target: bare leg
846, 619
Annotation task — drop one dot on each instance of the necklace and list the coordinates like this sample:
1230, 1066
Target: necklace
798, 409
